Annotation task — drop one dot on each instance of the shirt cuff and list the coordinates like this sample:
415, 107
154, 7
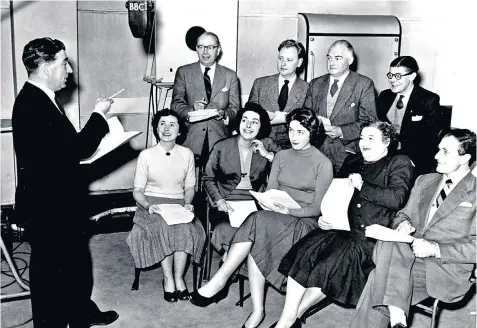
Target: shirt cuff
437, 250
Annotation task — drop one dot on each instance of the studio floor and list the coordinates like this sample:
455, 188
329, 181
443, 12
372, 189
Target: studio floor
114, 273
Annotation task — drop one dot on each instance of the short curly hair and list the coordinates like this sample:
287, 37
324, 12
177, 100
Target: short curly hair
265, 126
167, 112
307, 118
388, 131
39, 51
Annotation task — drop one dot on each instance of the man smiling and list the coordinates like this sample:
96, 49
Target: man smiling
281, 93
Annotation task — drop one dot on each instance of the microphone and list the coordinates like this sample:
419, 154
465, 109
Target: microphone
168, 154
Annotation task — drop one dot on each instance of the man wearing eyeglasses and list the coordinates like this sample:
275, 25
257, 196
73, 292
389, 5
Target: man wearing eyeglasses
346, 100
206, 85
414, 111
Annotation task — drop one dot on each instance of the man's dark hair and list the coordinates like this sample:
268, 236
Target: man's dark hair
407, 62
167, 112
466, 139
300, 49
307, 118
265, 126
39, 51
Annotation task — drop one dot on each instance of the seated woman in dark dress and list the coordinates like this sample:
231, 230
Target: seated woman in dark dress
238, 164
335, 263
266, 236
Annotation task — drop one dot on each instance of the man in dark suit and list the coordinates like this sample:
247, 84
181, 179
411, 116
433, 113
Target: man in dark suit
281, 93
414, 111
441, 212
346, 98
48, 197
206, 85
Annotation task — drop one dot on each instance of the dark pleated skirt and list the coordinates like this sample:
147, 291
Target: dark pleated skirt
338, 262
152, 239
272, 235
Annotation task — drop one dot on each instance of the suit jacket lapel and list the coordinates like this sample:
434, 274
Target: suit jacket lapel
256, 160
452, 201
322, 94
427, 202
412, 103
345, 92
272, 92
292, 96
219, 81
232, 157
198, 79
387, 102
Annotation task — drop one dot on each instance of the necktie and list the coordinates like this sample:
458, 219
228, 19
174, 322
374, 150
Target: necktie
400, 104
334, 88
283, 97
208, 85
60, 106
443, 193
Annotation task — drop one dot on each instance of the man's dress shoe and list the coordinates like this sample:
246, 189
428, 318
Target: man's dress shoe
103, 318
399, 325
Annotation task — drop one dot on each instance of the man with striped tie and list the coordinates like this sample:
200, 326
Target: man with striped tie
206, 85
441, 214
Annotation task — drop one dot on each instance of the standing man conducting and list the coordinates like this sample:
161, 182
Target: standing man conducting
346, 98
281, 93
206, 85
441, 214
48, 196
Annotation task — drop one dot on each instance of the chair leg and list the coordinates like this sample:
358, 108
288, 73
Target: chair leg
194, 275
315, 308
434, 313
135, 285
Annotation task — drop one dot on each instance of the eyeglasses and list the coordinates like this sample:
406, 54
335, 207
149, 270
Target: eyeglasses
210, 48
397, 75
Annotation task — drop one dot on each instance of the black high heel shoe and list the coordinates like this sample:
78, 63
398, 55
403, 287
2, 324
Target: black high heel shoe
202, 301
260, 322
169, 297
296, 324
183, 295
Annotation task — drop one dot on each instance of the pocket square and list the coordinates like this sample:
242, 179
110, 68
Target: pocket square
465, 204
416, 118
352, 105
225, 89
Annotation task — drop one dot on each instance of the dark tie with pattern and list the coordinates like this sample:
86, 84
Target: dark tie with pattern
208, 85
60, 106
334, 88
400, 104
283, 97
443, 193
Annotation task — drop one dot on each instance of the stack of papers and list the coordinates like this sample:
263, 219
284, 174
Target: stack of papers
115, 138
241, 209
335, 203
272, 196
175, 214
326, 122
202, 114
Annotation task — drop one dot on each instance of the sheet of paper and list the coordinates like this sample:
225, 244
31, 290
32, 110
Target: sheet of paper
202, 114
115, 138
175, 214
326, 122
241, 209
380, 232
335, 203
280, 118
269, 197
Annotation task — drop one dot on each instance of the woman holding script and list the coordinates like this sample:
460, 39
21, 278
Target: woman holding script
165, 174
335, 263
236, 165
266, 236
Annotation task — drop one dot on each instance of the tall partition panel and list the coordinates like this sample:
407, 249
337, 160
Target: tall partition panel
376, 40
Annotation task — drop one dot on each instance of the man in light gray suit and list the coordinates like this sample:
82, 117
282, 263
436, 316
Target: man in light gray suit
346, 98
441, 214
281, 93
206, 85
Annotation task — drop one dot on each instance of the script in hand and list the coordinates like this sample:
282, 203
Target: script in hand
272, 196
241, 209
202, 114
380, 232
175, 214
115, 138
335, 203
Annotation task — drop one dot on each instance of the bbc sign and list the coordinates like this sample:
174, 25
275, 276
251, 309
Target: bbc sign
134, 6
